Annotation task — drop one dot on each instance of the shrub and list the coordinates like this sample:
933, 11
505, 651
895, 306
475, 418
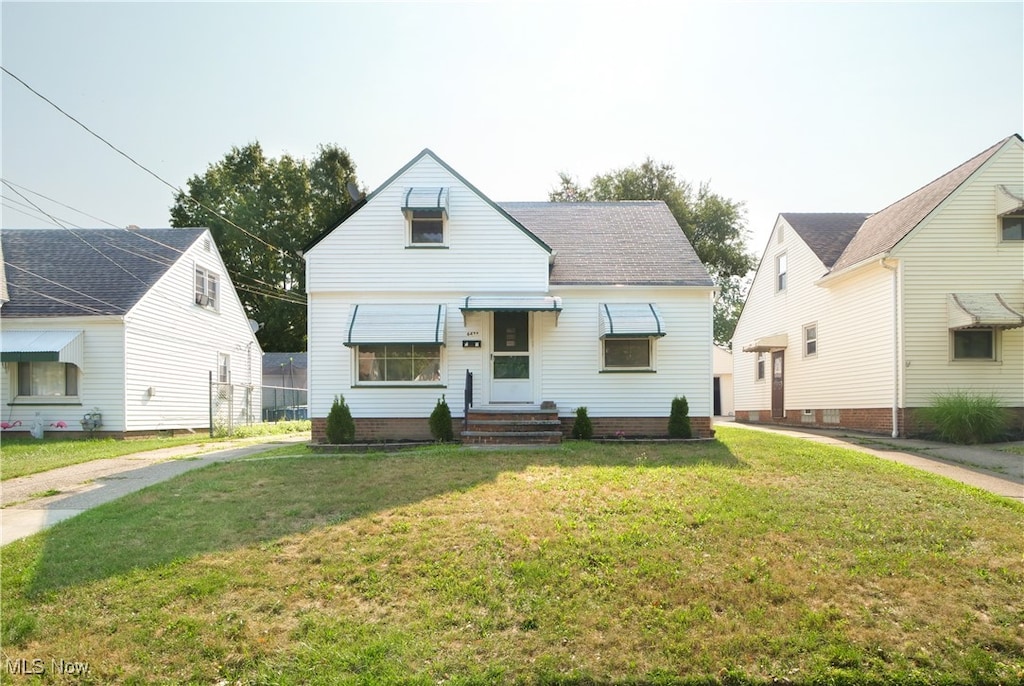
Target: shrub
582, 428
961, 416
679, 419
340, 426
441, 422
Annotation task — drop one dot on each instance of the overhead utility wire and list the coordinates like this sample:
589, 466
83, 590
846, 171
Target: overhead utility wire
73, 209
140, 165
22, 211
84, 308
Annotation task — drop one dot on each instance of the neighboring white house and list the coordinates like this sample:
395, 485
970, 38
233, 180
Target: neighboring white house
722, 366
129, 324
602, 305
858, 320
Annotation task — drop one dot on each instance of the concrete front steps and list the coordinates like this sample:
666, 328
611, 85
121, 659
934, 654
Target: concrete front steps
512, 425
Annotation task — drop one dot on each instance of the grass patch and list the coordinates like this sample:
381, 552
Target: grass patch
21, 456
751, 558
1015, 449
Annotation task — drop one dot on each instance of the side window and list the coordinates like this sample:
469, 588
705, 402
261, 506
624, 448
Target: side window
1013, 227
759, 367
781, 272
974, 344
810, 340
207, 288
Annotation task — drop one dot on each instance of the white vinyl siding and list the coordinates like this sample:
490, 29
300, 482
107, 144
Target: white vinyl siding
485, 252
855, 371
959, 250
100, 381
173, 347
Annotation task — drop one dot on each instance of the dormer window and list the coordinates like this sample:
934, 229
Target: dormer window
426, 213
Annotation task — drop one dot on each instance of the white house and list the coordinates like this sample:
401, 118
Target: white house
126, 324
722, 368
429, 289
858, 320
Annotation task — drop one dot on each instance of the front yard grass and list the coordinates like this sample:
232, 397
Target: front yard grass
750, 559
21, 455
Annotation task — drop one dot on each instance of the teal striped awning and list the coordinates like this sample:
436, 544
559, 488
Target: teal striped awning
43, 346
425, 199
381, 324
631, 320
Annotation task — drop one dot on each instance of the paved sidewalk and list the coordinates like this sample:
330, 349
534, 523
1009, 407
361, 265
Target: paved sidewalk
985, 467
89, 484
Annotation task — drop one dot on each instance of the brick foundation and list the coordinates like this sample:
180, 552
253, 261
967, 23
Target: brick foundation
876, 420
638, 427
395, 429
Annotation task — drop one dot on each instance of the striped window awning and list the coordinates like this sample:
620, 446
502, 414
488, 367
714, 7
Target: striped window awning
512, 303
380, 324
630, 320
981, 311
1009, 200
425, 199
43, 346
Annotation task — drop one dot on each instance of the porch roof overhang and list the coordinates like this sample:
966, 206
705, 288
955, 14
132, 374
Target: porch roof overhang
422, 324
512, 303
981, 310
767, 344
66, 346
630, 320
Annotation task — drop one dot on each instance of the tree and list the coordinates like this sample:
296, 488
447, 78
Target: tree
714, 225
284, 202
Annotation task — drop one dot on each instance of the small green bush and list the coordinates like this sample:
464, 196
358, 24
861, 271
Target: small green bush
582, 428
966, 417
679, 419
441, 422
340, 426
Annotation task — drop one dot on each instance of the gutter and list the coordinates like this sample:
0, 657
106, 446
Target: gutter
895, 345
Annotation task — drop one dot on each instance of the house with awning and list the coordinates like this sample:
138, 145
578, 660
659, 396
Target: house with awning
858, 320
516, 313
121, 332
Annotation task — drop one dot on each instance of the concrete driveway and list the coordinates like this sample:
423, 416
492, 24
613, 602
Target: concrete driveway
81, 486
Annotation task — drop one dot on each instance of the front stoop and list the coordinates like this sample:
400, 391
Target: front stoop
511, 426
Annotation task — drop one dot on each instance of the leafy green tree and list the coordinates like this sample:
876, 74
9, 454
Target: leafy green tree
714, 225
284, 202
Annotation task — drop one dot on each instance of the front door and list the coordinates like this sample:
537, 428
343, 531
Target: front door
510, 358
778, 385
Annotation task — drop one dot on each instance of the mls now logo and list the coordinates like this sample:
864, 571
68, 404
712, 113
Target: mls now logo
25, 666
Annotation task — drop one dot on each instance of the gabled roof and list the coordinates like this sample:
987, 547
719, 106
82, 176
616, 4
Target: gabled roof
426, 152
883, 230
826, 233
86, 272
600, 243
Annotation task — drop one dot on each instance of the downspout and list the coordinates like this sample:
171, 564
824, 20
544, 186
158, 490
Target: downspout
895, 346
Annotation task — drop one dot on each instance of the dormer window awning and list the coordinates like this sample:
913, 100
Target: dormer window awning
422, 198
632, 320
981, 311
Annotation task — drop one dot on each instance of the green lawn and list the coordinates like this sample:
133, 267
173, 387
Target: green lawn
20, 456
757, 558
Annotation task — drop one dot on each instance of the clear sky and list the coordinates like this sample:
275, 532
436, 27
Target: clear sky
809, 107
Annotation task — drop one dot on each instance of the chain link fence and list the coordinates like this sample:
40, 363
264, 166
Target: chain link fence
284, 403
231, 406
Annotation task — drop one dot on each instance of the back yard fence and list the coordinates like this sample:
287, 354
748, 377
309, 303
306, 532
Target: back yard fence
231, 405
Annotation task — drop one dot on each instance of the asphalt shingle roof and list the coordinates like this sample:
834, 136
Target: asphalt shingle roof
82, 272
826, 233
884, 229
600, 243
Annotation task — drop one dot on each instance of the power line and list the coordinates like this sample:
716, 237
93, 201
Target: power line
27, 214
84, 308
73, 209
60, 285
139, 164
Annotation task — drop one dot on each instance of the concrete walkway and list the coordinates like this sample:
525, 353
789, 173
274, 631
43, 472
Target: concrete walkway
89, 484
985, 467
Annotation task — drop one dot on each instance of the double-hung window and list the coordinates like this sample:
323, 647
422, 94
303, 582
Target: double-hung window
810, 340
781, 272
207, 288
629, 334
759, 367
974, 344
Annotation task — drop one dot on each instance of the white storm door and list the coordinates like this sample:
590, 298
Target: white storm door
510, 358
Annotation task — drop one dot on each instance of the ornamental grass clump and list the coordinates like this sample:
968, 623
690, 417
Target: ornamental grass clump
341, 428
441, 422
679, 419
582, 427
967, 417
